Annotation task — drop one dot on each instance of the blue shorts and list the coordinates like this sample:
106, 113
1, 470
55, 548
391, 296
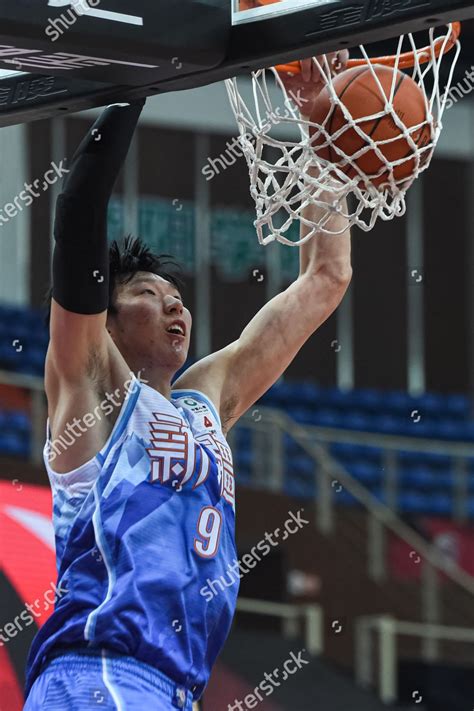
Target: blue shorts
103, 681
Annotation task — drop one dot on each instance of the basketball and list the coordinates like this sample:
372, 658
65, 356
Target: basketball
252, 4
359, 92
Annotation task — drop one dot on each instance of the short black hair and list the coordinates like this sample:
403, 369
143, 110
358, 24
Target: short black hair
127, 258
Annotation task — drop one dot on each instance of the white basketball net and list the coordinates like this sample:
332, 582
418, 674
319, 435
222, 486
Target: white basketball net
287, 176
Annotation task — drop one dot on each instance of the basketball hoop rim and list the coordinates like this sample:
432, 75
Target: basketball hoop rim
407, 60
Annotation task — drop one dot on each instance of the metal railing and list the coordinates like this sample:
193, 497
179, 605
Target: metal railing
388, 629
275, 424
291, 614
269, 426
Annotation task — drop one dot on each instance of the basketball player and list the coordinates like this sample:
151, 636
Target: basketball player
141, 473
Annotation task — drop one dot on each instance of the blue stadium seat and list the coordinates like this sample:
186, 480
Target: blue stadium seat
295, 486
470, 507
8, 356
13, 443
303, 466
457, 407
346, 451
430, 405
307, 393
440, 504
413, 502
244, 457
449, 430
334, 398
427, 459
468, 431
36, 357
379, 493
356, 421
444, 480
325, 418
417, 478
344, 498
300, 414
388, 424
423, 429
244, 477
16, 421
398, 403
367, 400
292, 448
365, 472
281, 393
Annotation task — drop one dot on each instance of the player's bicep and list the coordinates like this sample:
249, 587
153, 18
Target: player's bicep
272, 339
75, 341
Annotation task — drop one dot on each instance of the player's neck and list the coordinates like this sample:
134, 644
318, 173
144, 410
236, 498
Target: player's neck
156, 378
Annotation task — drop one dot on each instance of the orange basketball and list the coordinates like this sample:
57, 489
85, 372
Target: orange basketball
358, 90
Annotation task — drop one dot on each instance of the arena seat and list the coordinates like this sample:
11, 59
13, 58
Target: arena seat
13, 443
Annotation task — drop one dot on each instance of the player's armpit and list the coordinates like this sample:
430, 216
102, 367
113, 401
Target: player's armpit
78, 344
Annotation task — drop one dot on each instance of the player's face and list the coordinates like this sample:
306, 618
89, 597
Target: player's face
152, 323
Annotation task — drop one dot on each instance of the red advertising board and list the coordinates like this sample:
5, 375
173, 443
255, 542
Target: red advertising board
27, 576
455, 540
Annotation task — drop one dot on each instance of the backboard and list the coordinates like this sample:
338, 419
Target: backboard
68, 55
244, 11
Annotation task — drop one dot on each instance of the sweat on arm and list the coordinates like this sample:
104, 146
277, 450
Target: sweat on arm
81, 255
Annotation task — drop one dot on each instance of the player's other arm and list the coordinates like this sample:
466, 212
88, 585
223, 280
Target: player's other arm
237, 376
78, 340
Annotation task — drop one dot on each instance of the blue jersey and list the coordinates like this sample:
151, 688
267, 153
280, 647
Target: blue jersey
141, 530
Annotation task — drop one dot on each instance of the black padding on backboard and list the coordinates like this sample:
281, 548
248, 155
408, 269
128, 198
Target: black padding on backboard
190, 34
182, 44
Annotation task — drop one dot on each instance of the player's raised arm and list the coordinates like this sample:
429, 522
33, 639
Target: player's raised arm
235, 377
81, 263
241, 373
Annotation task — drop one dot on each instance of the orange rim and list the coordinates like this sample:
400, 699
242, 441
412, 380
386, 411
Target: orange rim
405, 61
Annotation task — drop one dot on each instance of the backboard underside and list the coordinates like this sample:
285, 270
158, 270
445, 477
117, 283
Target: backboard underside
60, 59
